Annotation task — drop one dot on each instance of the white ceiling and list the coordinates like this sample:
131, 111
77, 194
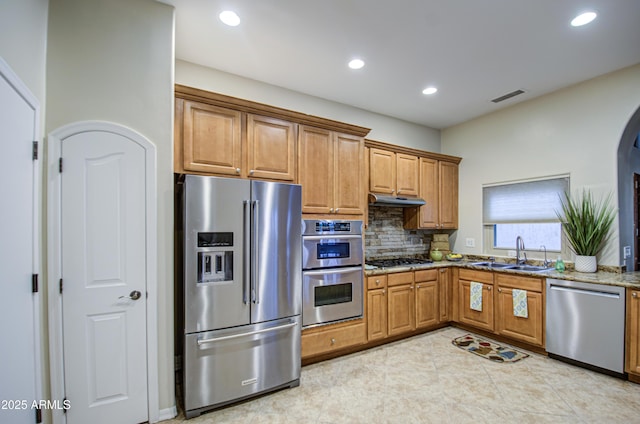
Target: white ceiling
472, 50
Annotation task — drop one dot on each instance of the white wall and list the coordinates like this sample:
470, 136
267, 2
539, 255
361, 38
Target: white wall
23, 41
383, 128
113, 60
572, 131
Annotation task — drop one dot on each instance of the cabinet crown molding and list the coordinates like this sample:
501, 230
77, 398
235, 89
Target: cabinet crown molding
217, 99
410, 151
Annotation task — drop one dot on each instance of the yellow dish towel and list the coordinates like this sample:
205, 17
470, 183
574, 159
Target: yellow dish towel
520, 303
475, 299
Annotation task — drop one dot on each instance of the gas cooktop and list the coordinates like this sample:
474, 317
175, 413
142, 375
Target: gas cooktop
389, 263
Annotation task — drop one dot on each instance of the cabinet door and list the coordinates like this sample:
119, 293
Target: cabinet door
316, 169
481, 319
407, 175
448, 195
211, 139
271, 148
426, 303
429, 191
528, 329
349, 195
446, 294
376, 314
400, 303
633, 331
382, 171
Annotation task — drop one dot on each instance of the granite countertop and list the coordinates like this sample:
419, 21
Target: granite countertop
625, 279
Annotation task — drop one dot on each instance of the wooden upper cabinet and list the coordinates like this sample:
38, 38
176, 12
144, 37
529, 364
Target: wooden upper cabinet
407, 173
448, 178
331, 172
271, 148
349, 174
439, 189
211, 139
395, 174
382, 171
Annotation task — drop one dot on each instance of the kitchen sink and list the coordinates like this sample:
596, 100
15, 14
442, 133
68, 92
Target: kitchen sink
499, 265
494, 264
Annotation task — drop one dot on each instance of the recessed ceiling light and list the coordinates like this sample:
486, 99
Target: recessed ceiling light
230, 18
429, 90
356, 64
583, 19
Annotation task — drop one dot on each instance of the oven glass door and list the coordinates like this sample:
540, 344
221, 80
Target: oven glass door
331, 295
331, 251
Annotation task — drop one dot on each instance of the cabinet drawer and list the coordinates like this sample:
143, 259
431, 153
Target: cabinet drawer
333, 339
520, 282
474, 275
426, 275
376, 282
399, 278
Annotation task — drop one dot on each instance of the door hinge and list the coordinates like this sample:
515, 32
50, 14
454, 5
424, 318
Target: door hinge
60, 165
34, 283
61, 286
35, 150
38, 415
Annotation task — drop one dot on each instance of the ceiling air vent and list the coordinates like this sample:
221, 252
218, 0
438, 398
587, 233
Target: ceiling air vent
507, 96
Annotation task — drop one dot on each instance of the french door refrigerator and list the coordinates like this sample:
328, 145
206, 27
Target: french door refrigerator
242, 289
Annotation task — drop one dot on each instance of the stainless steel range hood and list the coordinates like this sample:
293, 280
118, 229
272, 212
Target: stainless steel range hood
398, 202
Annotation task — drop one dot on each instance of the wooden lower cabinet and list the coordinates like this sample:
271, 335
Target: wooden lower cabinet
445, 295
426, 298
529, 329
400, 303
329, 338
632, 362
376, 307
481, 319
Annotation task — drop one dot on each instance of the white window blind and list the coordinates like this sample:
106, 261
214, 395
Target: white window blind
531, 201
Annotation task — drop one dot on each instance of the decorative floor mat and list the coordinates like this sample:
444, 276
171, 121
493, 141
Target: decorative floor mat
488, 350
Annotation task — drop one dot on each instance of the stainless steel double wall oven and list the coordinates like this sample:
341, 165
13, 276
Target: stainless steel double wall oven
332, 277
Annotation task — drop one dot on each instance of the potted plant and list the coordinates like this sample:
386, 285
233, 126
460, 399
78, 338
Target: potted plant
586, 224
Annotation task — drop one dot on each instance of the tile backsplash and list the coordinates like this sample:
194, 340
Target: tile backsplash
386, 237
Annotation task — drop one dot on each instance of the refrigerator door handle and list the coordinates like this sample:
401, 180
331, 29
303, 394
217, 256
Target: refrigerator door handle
245, 251
251, 333
254, 247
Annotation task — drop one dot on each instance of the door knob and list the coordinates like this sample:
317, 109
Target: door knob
134, 295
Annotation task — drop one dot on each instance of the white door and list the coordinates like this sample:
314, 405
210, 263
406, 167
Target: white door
103, 259
17, 304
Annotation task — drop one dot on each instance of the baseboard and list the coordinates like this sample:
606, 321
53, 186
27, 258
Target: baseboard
167, 414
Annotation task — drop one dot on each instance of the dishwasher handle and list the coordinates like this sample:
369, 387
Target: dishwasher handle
585, 291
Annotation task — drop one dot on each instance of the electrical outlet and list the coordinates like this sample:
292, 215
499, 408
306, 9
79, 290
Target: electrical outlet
470, 242
511, 253
627, 252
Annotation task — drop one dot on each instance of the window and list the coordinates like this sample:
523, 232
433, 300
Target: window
525, 209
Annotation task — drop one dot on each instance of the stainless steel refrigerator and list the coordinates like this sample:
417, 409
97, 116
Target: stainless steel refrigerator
242, 289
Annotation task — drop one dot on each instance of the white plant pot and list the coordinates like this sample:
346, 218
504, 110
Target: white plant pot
585, 264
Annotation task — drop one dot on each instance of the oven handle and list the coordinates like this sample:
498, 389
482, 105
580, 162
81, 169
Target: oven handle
325, 271
331, 237
251, 333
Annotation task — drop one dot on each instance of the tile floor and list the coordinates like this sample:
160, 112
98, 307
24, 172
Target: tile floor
426, 379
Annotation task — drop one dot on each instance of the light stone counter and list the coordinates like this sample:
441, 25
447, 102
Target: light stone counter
626, 279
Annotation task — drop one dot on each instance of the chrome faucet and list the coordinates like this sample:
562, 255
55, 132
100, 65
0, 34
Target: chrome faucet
520, 247
546, 262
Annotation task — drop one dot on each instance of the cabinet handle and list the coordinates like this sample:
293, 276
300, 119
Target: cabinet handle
337, 209
333, 341
634, 294
331, 210
393, 191
499, 290
488, 288
378, 283
384, 291
411, 287
418, 286
251, 172
237, 170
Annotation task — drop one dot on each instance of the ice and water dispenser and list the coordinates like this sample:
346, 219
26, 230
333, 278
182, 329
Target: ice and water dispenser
215, 262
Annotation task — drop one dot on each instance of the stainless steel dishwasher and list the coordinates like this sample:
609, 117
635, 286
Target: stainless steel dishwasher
585, 323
